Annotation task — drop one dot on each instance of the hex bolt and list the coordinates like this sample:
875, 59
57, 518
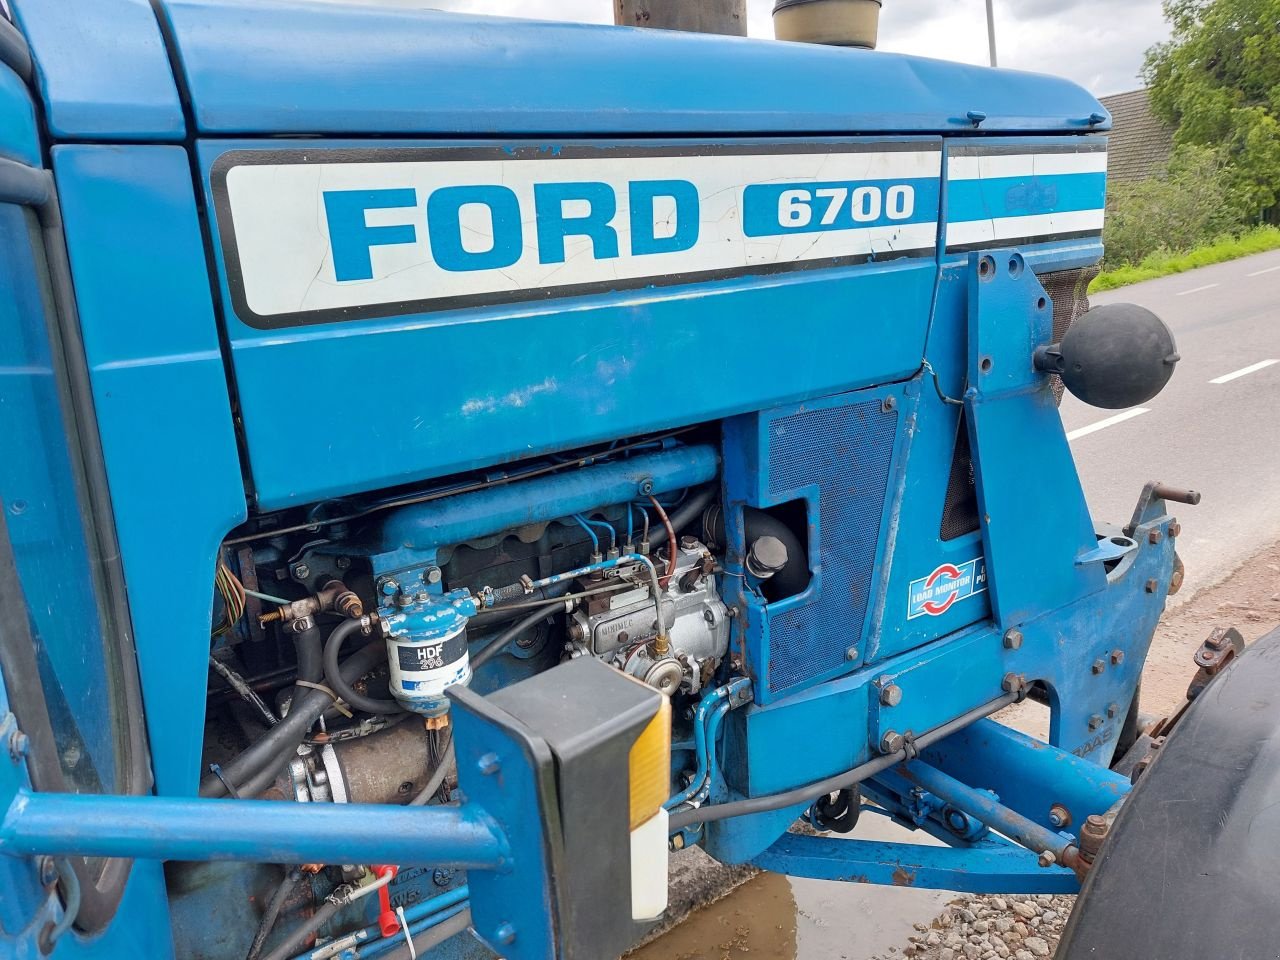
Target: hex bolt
300, 571
489, 764
1175, 528
1113, 710
1153, 585
1154, 537
851, 653
1012, 639
48, 871
677, 842
891, 695
888, 405
1012, 682
892, 742
389, 587
343, 563
1095, 722
505, 934
18, 744
1117, 657
1047, 858
1059, 816
1098, 666
432, 575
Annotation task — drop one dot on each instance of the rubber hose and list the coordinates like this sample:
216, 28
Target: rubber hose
285, 736
499, 643
792, 578
437, 776
290, 945
432, 937
291, 877
310, 646
339, 685
500, 615
686, 513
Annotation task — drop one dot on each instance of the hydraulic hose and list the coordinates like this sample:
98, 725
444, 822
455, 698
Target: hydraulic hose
285, 736
291, 877
339, 685
681, 819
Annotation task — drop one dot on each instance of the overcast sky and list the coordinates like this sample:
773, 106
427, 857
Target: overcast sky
1097, 43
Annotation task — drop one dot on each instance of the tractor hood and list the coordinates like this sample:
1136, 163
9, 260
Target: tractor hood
320, 68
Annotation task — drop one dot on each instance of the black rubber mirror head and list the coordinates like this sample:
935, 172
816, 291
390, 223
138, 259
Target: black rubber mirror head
1115, 356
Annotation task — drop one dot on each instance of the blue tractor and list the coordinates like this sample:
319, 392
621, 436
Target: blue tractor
452, 462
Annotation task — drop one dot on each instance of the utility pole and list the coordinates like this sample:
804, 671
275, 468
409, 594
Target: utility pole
697, 16
991, 32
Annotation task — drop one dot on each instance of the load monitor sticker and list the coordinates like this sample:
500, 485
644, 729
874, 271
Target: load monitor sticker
950, 583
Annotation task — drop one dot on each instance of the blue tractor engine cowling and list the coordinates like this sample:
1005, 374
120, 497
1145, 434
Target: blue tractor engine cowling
597, 448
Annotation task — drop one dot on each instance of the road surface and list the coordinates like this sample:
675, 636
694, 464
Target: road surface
1216, 426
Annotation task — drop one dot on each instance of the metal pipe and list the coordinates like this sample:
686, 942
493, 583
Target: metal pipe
991, 33
469, 516
728, 17
174, 828
986, 808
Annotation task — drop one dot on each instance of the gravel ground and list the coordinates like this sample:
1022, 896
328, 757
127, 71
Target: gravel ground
987, 928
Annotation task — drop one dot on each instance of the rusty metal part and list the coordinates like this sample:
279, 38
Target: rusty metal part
1059, 816
386, 767
1222, 646
1155, 490
1178, 575
1092, 832
334, 596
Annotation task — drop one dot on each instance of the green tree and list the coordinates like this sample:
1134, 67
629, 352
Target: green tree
1217, 80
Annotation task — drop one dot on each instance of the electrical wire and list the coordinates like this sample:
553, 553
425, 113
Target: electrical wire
581, 461
269, 916
246, 692
438, 775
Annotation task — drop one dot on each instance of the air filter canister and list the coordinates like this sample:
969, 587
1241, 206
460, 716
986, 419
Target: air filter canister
841, 23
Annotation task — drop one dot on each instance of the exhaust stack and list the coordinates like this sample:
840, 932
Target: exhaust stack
728, 17
841, 23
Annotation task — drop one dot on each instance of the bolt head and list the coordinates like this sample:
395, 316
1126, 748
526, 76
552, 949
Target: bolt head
1154, 536
1117, 657
1098, 666
1012, 682
505, 934
891, 695
1113, 711
677, 842
389, 587
300, 571
1153, 585
1012, 639
432, 575
851, 653
48, 871
489, 764
18, 745
1095, 722
1047, 859
892, 742
1175, 528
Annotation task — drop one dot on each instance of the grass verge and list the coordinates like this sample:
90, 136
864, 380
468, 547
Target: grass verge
1163, 263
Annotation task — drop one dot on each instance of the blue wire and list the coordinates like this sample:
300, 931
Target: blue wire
595, 541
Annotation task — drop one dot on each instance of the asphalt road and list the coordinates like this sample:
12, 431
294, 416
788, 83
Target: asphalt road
1221, 438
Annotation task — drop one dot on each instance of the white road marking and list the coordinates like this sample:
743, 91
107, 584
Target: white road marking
1244, 371
1207, 286
1258, 273
1109, 422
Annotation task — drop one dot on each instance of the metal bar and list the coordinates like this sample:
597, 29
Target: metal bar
23, 185
988, 867
991, 33
468, 516
983, 806
170, 828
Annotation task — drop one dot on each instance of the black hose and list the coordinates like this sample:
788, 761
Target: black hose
499, 643
432, 937
291, 877
339, 685
686, 513
290, 945
505, 613
792, 578
841, 781
437, 775
285, 736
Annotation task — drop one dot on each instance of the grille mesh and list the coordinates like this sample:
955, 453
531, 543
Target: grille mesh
847, 452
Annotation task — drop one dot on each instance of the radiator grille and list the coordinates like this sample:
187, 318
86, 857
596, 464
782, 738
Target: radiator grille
847, 452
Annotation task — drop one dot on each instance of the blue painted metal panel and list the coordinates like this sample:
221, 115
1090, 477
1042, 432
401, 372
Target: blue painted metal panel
19, 137
164, 416
554, 374
102, 70
360, 69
